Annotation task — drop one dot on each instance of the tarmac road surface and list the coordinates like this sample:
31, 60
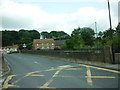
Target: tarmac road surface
29, 71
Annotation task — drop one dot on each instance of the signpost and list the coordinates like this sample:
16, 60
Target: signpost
24, 45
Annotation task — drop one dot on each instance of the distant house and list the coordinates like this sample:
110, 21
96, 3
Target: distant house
59, 43
13, 48
43, 44
8, 49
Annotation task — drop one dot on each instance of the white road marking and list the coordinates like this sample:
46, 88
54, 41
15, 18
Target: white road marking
36, 62
65, 66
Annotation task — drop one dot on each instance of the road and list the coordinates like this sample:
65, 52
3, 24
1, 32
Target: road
29, 71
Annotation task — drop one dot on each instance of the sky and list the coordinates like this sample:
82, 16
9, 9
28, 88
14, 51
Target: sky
57, 15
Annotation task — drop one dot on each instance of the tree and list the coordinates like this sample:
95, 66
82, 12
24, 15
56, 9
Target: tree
34, 34
19, 37
88, 36
76, 32
116, 39
9, 38
75, 41
118, 28
58, 35
108, 33
100, 35
45, 35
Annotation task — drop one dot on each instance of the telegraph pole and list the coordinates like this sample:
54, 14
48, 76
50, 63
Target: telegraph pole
109, 15
96, 34
113, 56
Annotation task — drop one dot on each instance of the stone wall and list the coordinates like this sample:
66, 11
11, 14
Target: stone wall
103, 55
97, 56
117, 58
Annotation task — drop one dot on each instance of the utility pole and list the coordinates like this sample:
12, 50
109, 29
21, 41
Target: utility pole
109, 15
96, 29
113, 56
96, 33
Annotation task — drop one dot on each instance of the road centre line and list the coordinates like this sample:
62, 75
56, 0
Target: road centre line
51, 79
115, 71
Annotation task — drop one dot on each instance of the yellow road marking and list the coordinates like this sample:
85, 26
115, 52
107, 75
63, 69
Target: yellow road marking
89, 79
70, 68
28, 74
100, 68
6, 85
64, 76
38, 75
87, 76
51, 79
74, 69
51, 87
102, 77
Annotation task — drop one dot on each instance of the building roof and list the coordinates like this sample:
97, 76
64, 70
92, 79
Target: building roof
43, 41
13, 46
59, 42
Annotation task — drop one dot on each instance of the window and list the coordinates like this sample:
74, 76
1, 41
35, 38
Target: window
52, 43
42, 47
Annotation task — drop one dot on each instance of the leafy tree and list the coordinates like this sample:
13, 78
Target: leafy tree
34, 34
76, 32
116, 39
108, 33
58, 35
45, 34
118, 28
88, 36
9, 37
75, 41
19, 37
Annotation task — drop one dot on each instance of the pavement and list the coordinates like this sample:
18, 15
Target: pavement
29, 71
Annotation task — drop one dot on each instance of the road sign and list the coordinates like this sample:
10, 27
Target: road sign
24, 45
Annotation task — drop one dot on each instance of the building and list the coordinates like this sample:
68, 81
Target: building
59, 43
9, 49
13, 48
42, 44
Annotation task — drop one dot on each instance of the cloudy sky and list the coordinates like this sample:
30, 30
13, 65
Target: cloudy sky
58, 15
